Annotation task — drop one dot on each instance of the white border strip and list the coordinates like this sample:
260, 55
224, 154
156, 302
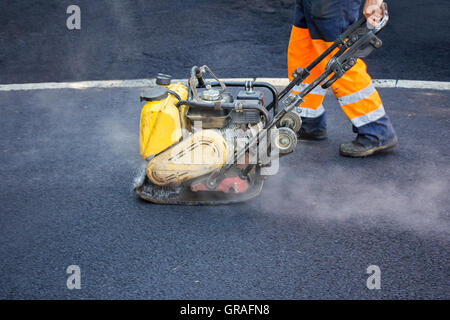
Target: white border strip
437, 85
79, 85
139, 83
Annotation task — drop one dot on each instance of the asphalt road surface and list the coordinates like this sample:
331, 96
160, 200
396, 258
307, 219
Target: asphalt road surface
68, 160
122, 39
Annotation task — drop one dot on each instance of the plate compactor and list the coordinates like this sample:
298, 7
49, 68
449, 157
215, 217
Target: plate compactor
215, 142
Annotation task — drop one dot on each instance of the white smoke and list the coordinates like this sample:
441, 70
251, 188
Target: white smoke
419, 206
139, 175
122, 139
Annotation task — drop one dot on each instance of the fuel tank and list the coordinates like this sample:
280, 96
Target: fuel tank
160, 124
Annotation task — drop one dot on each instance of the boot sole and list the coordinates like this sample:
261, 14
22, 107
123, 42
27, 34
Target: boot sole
370, 151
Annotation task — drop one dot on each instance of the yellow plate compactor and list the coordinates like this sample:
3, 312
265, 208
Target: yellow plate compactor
213, 142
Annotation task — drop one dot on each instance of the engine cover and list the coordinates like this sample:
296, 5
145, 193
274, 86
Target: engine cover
196, 155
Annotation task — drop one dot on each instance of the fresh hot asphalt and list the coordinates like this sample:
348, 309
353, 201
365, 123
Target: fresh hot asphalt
68, 159
68, 162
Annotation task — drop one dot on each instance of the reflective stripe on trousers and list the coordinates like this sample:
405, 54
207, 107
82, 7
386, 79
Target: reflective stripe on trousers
363, 106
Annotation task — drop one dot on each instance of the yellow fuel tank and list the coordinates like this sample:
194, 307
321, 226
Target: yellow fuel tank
160, 124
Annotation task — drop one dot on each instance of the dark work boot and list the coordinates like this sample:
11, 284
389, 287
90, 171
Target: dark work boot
320, 134
313, 129
356, 149
373, 137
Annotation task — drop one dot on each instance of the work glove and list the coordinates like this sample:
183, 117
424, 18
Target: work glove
373, 12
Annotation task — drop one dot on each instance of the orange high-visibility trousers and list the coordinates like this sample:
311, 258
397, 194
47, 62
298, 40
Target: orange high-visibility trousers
317, 24
355, 92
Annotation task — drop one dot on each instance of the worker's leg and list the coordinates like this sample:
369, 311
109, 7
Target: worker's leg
300, 54
355, 92
363, 106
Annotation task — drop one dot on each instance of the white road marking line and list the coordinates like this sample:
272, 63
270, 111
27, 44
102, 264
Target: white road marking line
140, 83
437, 85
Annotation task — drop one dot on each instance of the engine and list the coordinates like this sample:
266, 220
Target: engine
237, 125
208, 126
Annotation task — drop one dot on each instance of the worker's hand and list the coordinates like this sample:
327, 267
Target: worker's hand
373, 12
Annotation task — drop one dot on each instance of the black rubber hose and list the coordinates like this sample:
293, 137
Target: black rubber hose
174, 94
223, 105
271, 88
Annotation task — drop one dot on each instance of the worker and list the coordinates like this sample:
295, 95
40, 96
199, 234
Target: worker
317, 24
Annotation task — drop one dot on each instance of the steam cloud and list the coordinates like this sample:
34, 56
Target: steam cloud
419, 206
